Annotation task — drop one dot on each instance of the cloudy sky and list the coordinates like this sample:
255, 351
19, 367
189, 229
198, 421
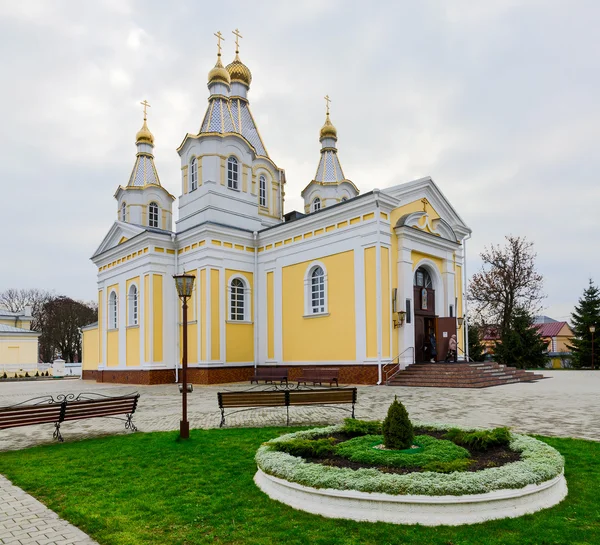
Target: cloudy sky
496, 100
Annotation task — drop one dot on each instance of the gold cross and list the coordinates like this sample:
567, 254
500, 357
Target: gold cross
425, 203
327, 100
145, 104
219, 38
237, 34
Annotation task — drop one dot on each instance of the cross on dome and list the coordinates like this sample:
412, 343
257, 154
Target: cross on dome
219, 38
145, 104
237, 35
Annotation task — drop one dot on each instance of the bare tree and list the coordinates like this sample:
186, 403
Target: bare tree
15, 300
62, 319
507, 281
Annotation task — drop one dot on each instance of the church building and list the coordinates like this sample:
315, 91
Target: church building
356, 281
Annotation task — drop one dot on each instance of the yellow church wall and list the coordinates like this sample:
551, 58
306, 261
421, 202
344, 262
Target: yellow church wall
132, 334
386, 294
418, 256
100, 323
215, 330
239, 336
270, 317
15, 350
203, 299
192, 343
371, 301
112, 335
112, 348
325, 338
146, 318
90, 349
157, 315
21, 324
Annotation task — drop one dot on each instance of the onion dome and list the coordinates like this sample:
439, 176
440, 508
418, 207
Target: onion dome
328, 130
219, 73
239, 72
144, 136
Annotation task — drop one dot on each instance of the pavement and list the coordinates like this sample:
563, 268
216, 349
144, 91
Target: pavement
565, 404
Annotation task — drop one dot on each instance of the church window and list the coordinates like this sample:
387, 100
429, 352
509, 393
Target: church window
123, 212
153, 215
316, 205
133, 305
423, 279
232, 173
237, 300
194, 175
315, 290
262, 191
112, 311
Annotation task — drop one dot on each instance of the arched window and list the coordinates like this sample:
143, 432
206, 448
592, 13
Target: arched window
317, 290
123, 212
232, 173
153, 215
112, 311
194, 175
237, 300
133, 305
423, 279
316, 205
262, 190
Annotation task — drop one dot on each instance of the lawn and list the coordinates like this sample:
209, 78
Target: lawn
151, 489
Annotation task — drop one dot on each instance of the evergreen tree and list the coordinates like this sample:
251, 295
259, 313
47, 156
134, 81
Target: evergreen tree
521, 345
476, 352
586, 313
398, 432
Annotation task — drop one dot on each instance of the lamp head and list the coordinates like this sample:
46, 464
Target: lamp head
185, 285
460, 321
592, 328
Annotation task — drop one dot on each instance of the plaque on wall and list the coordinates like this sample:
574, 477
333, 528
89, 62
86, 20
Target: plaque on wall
424, 299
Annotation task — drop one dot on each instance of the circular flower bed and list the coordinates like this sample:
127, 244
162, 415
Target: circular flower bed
436, 479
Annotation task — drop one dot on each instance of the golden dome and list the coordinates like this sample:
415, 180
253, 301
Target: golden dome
239, 71
219, 73
328, 130
144, 136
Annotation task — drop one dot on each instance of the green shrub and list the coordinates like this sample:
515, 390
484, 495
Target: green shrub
356, 428
26, 374
462, 464
397, 430
306, 448
4, 375
479, 440
360, 449
47, 374
16, 376
37, 373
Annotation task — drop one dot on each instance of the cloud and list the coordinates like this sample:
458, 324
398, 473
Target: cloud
496, 100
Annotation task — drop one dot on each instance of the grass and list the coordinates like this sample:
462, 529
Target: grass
145, 489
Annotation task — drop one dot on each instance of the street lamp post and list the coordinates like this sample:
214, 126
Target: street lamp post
185, 285
592, 331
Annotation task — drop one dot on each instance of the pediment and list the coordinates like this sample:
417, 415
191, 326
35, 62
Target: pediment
119, 233
443, 219
424, 222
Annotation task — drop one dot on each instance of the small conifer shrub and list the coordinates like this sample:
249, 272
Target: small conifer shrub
37, 373
26, 374
398, 432
16, 376
4, 375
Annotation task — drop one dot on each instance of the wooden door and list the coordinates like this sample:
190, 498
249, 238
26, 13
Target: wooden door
419, 338
445, 328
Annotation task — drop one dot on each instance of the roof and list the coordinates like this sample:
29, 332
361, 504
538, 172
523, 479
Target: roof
9, 314
551, 329
144, 172
232, 116
17, 330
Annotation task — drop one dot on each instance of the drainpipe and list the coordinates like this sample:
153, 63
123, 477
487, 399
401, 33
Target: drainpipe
255, 235
378, 290
176, 316
465, 300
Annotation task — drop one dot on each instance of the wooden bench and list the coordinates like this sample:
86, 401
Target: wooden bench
318, 375
270, 374
48, 410
285, 398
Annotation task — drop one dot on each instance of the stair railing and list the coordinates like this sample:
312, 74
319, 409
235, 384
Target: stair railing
464, 354
391, 369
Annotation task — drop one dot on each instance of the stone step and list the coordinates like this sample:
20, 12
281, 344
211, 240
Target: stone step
461, 375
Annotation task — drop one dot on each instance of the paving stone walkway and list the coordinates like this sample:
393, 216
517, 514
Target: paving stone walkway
565, 404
